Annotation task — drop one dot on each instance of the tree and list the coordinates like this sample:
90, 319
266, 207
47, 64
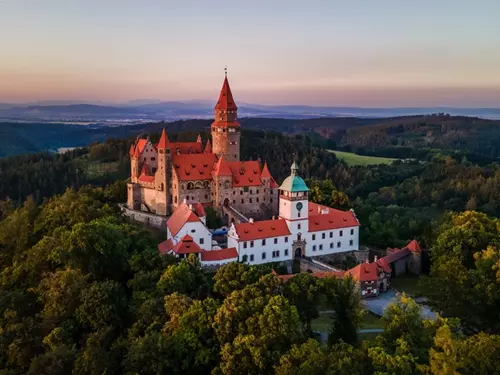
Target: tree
187, 277
343, 297
303, 292
234, 276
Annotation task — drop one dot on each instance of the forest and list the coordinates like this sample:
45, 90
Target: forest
85, 291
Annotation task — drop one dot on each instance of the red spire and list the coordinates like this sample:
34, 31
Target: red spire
226, 100
222, 168
414, 246
265, 172
208, 147
198, 139
163, 143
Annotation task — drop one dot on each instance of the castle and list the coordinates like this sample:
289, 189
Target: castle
165, 174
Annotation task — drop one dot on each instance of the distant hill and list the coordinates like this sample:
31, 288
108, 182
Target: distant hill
397, 137
151, 110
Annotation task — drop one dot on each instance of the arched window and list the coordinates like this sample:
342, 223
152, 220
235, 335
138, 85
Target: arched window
190, 186
175, 200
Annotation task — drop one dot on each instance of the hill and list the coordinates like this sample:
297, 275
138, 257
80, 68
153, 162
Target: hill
355, 159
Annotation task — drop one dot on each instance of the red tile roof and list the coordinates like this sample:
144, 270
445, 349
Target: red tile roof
225, 124
164, 142
245, 173
414, 247
384, 264
334, 219
265, 172
186, 246
181, 216
145, 176
192, 167
262, 229
364, 272
215, 255
186, 148
200, 211
166, 246
222, 168
226, 100
141, 143
208, 148
132, 150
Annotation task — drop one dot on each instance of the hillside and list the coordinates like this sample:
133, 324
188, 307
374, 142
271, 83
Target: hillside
397, 137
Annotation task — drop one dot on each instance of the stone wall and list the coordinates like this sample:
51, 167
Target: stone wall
157, 221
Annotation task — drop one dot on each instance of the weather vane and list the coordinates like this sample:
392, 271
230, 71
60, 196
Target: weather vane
225, 70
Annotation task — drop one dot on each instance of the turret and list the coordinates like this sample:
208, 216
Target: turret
226, 128
162, 183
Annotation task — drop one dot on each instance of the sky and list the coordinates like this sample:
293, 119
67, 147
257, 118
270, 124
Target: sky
364, 53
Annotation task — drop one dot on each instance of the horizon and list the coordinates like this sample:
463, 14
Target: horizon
325, 54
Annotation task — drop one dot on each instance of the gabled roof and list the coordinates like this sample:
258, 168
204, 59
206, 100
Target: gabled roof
200, 211
334, 219
262, 229
164, 142
166, 246
364, 272
245, 173
186, 246
215, 255
265, 172
141, 143
193, 167
145, 175
414, 246
208, 147
226, 100
180, 217
222, 168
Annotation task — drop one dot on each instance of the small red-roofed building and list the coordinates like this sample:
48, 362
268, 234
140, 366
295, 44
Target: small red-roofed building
218, 257
406, 259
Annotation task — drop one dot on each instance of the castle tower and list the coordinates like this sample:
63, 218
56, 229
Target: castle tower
162, 174
222, 183
294, 209
134, 162
226, 128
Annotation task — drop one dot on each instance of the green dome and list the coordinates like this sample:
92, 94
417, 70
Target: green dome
294, 183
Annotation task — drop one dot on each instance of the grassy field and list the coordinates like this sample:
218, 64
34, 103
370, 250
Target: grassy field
355, 159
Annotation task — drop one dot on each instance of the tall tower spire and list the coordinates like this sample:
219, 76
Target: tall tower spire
226, 128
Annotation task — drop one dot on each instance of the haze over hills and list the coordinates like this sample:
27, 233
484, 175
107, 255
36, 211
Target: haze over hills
154, 110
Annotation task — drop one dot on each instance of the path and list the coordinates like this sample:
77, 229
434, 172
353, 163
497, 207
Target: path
379, 304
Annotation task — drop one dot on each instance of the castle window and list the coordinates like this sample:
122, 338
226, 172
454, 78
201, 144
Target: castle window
241, 192
175, 200
321, 247
286, 239
244, 245
331, 245
162, 187
331, 234
314, 237
271, 200
206, 196
298, 214
193, 230
202, 240
351, 242
314, 248
250, 200
257, 199
257, 191
352, 232
341, 233
275, 241
298, 227
234, 201
153, 159
323, 235
245, 189
251, 243
339, 244
251, 257
234, 192
264, 242
286, 252
263, 255
242, 201
251, 191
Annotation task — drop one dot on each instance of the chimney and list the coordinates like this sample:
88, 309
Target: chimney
251, 220
375, 259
